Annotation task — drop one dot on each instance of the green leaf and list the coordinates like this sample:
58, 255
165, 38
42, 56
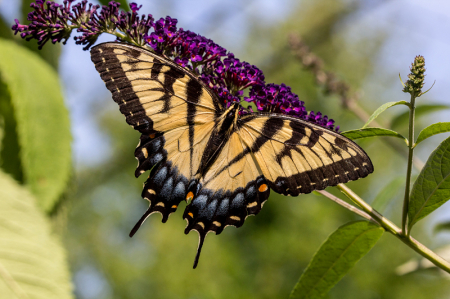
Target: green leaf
123, 4
371, 132
432, 187
403, 118
434, 129
9, 152
388, 193
381, 109
32, 260
42, 121
340, 252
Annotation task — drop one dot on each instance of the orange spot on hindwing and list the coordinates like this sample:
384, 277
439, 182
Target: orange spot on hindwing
152, 135
263, 188
189, 196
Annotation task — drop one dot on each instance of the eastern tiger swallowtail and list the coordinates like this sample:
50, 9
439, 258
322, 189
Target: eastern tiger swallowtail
223, 165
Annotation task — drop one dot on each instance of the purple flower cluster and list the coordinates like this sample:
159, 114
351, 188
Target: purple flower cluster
226, 75
49, 21
229, 78
274, 98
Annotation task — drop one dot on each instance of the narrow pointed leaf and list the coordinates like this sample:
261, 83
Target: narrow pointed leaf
434, 129
42, 121
340, 252
32, 260
402, 119
371, 132
388, 193
432, 187
381, 109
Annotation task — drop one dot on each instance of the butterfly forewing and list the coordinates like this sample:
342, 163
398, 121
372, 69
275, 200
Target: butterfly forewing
154, 94
298, 157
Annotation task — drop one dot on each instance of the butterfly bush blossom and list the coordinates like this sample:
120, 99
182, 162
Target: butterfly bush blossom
220, 70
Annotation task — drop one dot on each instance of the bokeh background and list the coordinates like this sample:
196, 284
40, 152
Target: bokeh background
365, 43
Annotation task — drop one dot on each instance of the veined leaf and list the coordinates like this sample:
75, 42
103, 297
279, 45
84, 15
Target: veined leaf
432, 187
434, 129
371, 132
388, 193
340, 252
32, 260
402, 119
381, 109
42, 121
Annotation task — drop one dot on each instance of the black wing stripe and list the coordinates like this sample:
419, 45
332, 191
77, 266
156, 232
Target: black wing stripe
194, 92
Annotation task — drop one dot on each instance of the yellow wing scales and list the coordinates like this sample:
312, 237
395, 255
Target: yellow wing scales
298, 157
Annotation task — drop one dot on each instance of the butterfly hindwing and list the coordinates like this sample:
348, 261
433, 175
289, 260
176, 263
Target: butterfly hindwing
298, 157
231, 189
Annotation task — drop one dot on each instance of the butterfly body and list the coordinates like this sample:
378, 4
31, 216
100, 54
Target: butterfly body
221, 163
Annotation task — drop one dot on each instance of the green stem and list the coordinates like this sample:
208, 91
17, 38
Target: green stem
408, 171
396, 231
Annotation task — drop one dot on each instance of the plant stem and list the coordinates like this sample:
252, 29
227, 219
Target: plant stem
396, 231
346, 205
408, 171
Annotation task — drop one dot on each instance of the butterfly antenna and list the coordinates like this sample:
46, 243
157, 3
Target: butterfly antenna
199, 249
139, 223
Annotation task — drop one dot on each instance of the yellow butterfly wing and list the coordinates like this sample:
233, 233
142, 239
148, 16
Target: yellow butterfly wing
174, 111
297, 157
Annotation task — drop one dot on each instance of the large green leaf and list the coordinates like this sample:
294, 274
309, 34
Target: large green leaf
42, 121
402, 119
434, 129
381, 109
32, 260
371, 132
340, 252
432, 187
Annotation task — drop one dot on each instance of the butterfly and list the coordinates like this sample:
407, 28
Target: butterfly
200, 151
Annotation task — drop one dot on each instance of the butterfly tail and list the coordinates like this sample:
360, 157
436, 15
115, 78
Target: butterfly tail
140, 222
199, 249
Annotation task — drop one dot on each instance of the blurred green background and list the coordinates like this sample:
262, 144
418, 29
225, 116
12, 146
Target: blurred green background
365, 43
